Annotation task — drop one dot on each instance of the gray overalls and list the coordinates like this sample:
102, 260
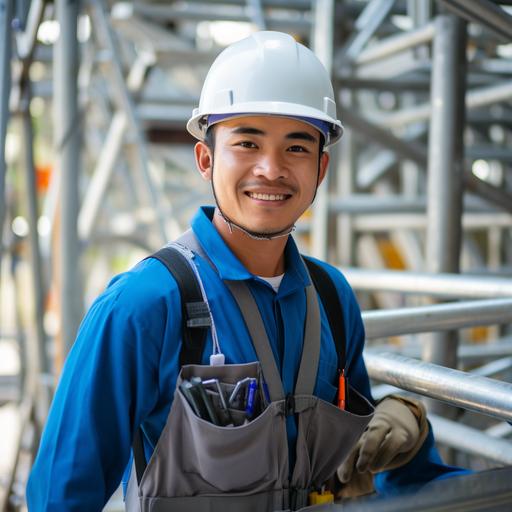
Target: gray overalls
201, 467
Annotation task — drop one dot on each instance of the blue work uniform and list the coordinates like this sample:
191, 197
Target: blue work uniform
121, 372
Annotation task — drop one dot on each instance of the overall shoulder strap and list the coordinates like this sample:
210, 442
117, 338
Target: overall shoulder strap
332, 305
195, 312
196, 320
306, 377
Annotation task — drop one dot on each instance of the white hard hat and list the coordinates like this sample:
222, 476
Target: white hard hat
267, 73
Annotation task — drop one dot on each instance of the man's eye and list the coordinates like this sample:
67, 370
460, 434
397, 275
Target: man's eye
246, 144
298, 149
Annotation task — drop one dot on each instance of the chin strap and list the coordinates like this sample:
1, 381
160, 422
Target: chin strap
253, 234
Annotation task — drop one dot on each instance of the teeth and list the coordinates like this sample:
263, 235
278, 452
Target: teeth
267, 197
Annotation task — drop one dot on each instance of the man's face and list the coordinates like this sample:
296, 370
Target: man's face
265, 170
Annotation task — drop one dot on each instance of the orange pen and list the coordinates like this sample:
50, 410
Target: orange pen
342, 392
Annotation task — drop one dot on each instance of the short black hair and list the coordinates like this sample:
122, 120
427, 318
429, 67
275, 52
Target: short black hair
209, 137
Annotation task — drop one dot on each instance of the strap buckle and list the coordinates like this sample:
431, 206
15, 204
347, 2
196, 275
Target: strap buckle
198, 314
289, 404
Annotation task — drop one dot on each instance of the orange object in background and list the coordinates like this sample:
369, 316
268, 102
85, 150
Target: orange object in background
43, 175
391, 254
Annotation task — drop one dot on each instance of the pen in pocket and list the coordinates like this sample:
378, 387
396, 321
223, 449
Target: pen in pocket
186, 390
342, 390
222, 398
211, 413
251, 398
237, 389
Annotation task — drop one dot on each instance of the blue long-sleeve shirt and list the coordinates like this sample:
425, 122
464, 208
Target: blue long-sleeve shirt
122, 369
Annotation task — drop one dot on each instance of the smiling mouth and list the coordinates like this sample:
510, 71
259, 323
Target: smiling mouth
268, 197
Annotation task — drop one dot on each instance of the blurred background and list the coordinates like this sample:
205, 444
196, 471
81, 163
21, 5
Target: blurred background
97, 171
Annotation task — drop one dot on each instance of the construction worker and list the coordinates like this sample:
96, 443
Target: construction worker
267, 114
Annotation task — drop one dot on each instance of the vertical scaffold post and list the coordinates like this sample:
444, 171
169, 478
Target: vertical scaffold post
6, 9
38, 355
322, 45
67, 138
445, 167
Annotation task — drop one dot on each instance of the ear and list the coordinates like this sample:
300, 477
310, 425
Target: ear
203, 155
322, 171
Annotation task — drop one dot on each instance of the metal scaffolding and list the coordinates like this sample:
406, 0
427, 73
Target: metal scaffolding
416, 208
6, 10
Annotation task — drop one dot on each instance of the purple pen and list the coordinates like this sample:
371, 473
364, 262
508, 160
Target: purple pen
249, 408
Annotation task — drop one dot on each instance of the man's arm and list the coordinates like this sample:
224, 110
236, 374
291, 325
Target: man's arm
109, 384
414, 461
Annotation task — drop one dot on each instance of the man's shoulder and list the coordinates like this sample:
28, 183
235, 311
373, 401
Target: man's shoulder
346, 294
334, 273
145, 285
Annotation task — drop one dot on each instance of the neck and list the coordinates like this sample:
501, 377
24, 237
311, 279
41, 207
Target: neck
260, 257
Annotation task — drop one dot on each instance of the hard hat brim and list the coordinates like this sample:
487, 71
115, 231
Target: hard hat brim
268, 108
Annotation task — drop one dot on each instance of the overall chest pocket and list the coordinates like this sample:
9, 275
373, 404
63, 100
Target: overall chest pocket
326, 436
230, 459
195, 457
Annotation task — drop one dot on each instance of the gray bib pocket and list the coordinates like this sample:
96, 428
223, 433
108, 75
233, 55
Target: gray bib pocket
326, 436
194, 457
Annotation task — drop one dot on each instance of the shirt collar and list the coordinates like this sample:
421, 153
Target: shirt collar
227, 264
230, 267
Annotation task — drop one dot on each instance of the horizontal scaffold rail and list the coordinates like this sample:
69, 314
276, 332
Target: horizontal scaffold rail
440, 285
471, 440
438, 317
472, 392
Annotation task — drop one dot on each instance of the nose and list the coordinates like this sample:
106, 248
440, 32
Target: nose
271, 166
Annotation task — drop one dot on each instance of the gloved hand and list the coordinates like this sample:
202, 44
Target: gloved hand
391, 439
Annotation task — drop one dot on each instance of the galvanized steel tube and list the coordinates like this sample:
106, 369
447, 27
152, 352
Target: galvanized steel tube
366, 25
395, 44
467, 354
495, 195
373, 223
445, 156
410, 150
67, 137
476, 98
6, 9
125, 102
438, 317
439, 285
472, 392
189, 12
485, 12
470, 440
445, 168
322, 38
495, 367
369, 203
40, 355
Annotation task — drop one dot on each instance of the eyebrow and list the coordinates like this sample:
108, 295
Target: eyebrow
248, 130
301, 136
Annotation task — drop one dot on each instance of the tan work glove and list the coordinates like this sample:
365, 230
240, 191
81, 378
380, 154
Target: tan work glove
392, 438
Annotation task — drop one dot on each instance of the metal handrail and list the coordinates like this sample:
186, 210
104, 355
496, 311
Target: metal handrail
438, 317
480, 394
439, 285
471, 440
466, 354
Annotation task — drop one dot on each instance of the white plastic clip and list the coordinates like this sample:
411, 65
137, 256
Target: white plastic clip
217, 359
